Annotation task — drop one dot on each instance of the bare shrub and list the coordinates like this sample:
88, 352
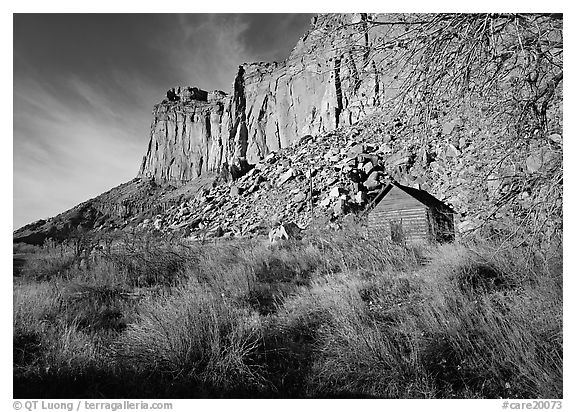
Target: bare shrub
194, 336
48, 263
97, 307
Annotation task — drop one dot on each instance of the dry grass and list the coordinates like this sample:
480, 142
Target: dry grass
196, 337
336, 315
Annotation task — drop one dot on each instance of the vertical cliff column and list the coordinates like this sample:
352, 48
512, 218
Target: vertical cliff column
364, 19
338, 85
239, 132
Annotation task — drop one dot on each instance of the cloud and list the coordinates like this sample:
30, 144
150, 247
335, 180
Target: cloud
68, 150
205, 50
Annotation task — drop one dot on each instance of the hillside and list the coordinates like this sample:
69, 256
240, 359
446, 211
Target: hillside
362, 98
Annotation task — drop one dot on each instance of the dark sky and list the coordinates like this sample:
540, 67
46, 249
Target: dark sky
85, 84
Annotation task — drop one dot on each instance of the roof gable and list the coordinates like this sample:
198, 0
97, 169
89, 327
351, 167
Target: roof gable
421, 196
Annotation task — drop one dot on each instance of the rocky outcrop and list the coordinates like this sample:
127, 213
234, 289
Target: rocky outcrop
189, 136
329, 80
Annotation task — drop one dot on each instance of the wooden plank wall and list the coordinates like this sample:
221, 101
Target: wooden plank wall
413, 220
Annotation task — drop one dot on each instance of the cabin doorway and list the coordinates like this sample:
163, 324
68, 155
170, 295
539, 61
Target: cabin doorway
396, 232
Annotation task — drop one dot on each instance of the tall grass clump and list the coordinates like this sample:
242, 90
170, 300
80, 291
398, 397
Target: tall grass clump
493, 323
97, 307
54, 354
477, 324
48, 263
25, 248
194, 338
35, 305
354, 249
358, 350
253, 273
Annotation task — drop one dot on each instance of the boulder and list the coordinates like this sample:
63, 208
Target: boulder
374, 181
300, 197
556, 138
271, 158
284, 177
367, 167
253, 188
326, 202
334, 193
534, 163
452, 151
360, 197
305, 139
449, 127
284, 231
355, 150
340, 207
236, 191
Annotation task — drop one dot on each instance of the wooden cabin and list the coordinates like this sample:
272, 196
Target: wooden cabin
408, 215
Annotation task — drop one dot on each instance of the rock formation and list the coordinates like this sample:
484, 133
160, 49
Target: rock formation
326, 82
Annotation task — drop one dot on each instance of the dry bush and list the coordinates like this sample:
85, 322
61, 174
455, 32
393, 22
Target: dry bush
97, 307
193, 336
48, 263
160, 264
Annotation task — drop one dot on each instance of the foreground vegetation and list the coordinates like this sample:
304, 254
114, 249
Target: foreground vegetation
332, 315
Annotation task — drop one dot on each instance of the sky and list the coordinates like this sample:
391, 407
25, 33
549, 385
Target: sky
84, 87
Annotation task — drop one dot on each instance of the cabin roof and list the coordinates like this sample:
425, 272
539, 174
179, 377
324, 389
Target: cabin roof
420, 195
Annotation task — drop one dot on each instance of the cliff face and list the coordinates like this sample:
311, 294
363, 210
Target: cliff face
327, 81
187, 138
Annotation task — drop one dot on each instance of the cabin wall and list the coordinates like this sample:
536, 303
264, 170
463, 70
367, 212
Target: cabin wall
442, 225
409, 225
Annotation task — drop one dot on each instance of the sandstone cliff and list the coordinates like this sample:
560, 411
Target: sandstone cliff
188, 137
329, 80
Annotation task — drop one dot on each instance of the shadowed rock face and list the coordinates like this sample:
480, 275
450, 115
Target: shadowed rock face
326, 82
